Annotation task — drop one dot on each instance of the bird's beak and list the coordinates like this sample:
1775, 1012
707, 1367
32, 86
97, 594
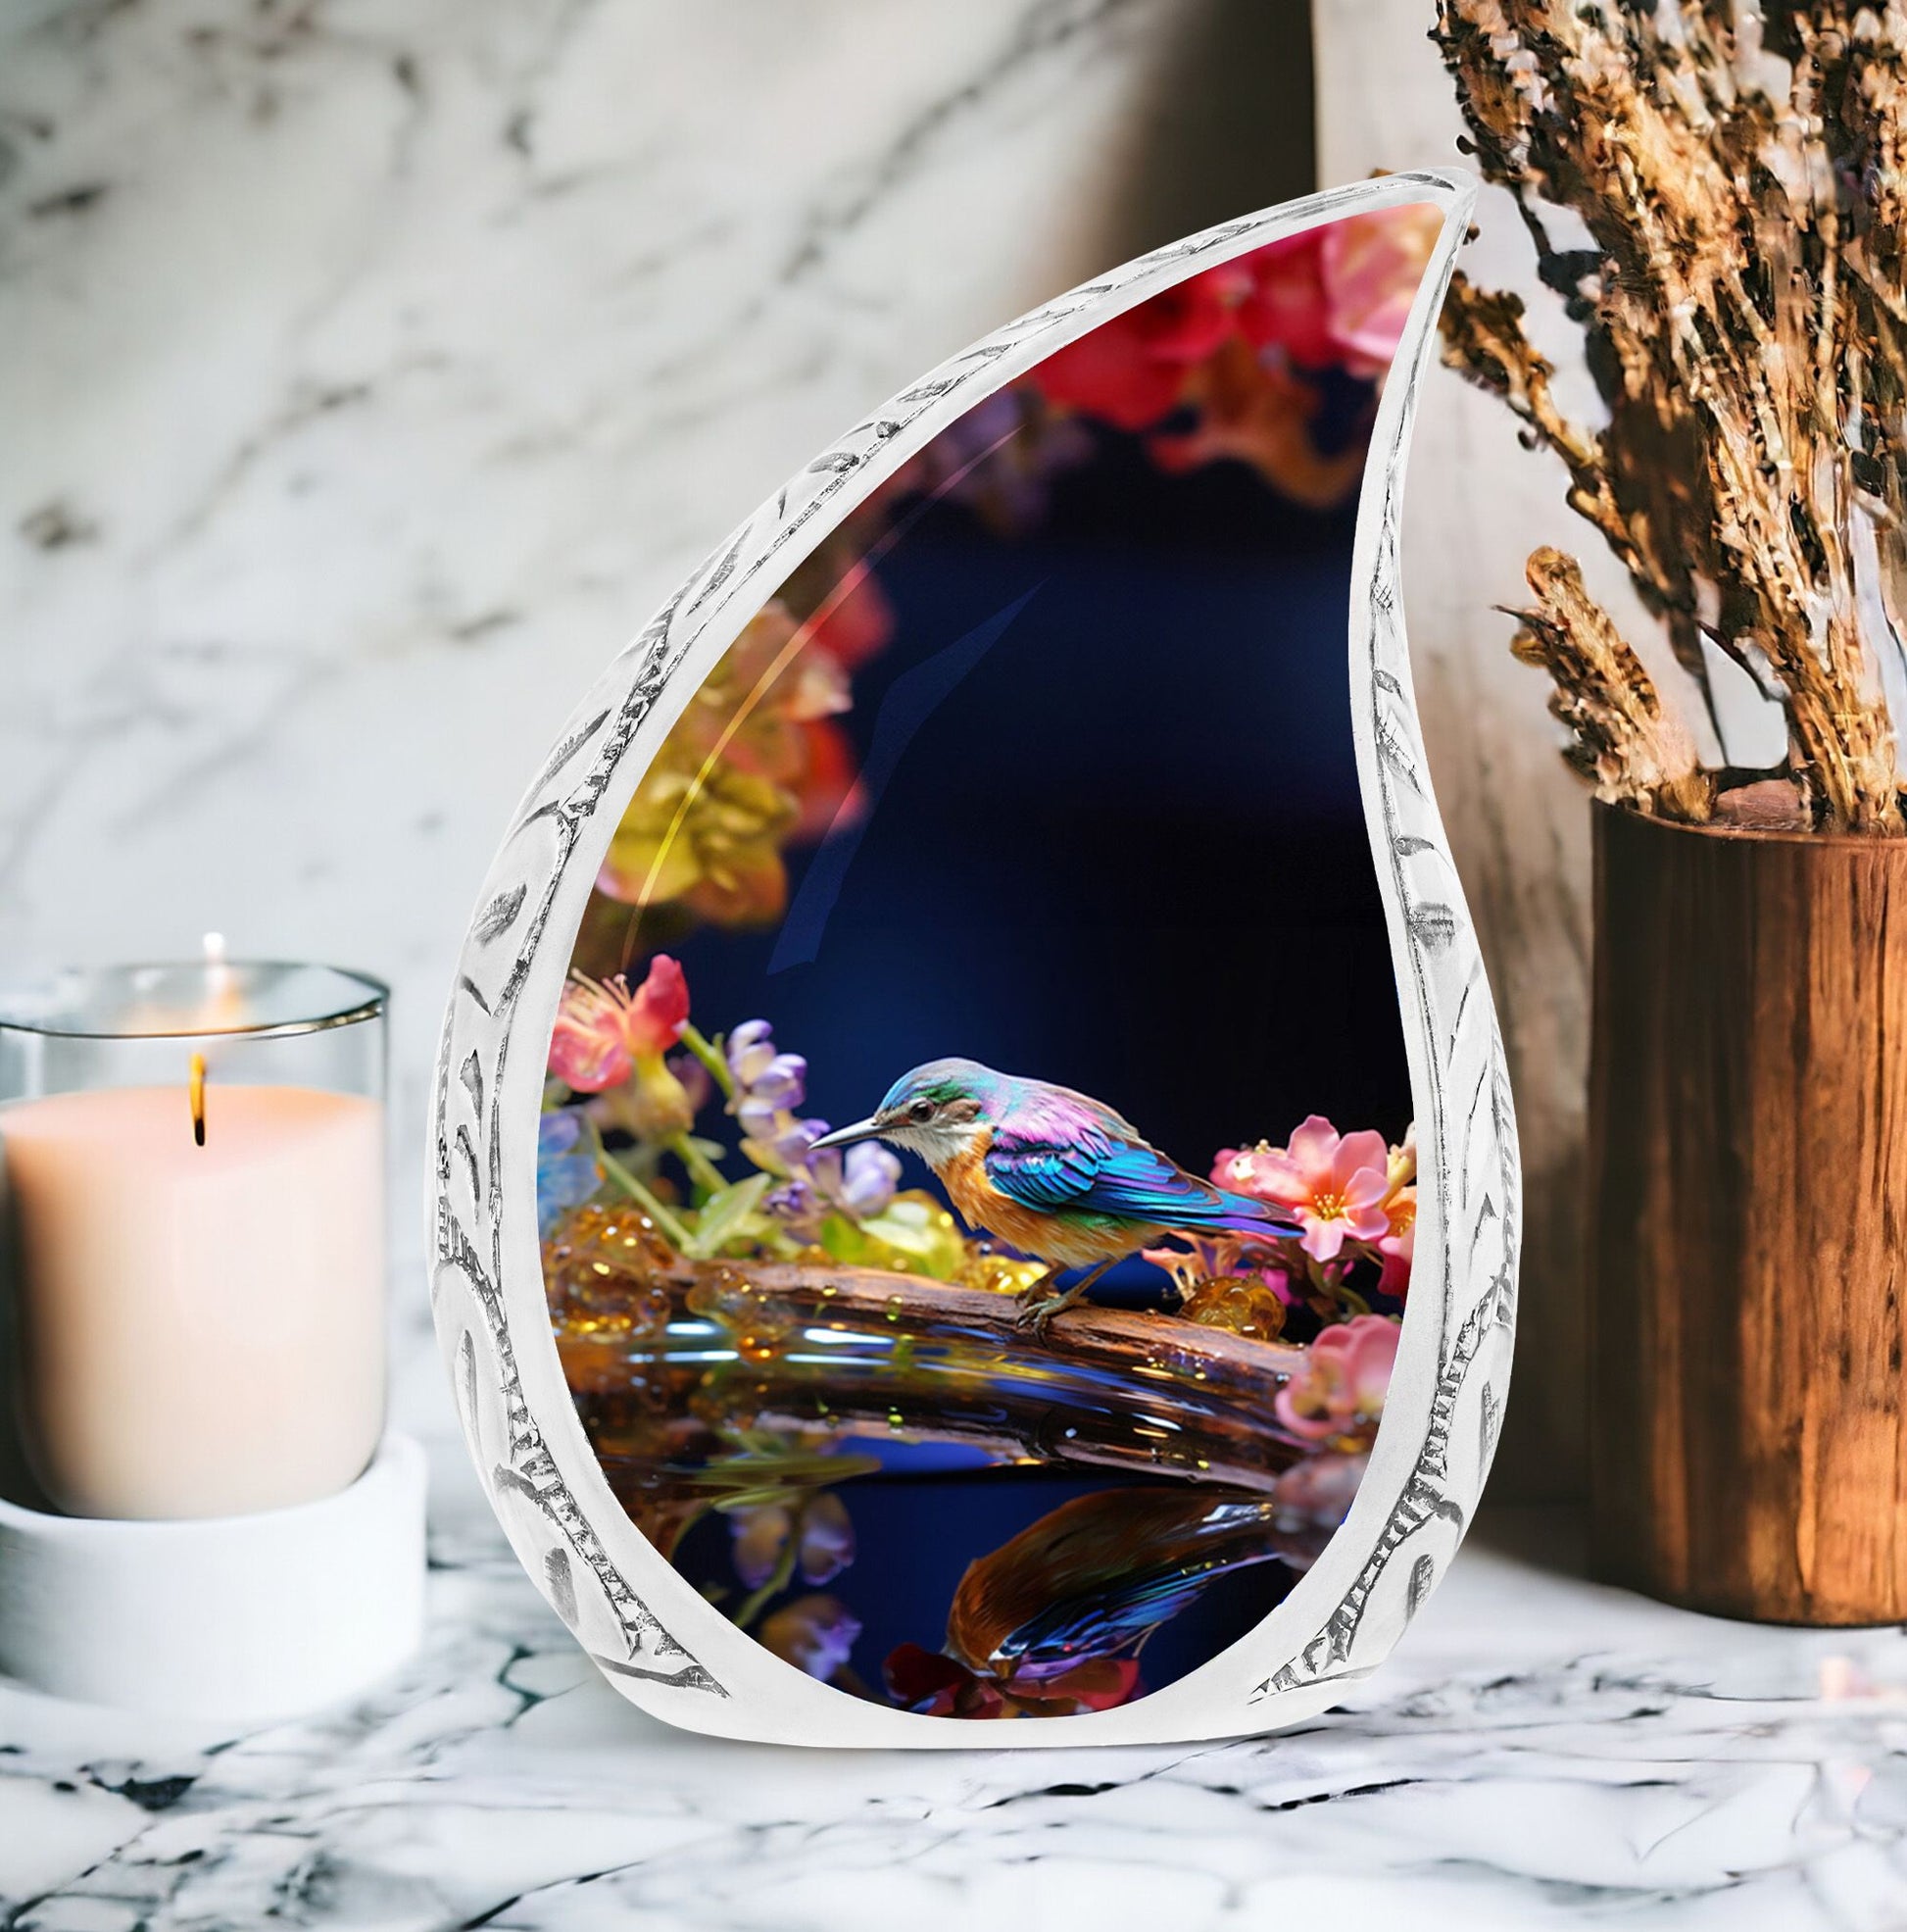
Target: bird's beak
868, 1129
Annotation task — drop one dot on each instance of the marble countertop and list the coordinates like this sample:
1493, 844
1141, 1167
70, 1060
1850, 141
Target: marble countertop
1539, 1752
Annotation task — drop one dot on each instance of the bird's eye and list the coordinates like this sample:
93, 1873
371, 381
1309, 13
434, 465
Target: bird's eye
922, 1110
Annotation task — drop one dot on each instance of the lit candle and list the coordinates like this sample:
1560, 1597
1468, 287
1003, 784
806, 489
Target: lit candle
199, 1260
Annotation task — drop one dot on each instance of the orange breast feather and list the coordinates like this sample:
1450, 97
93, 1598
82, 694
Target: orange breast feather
1051, 1238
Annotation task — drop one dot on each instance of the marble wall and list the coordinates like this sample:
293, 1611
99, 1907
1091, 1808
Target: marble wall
372, 371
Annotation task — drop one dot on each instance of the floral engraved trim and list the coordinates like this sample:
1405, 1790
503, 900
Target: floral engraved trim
481, 1159
1466, 1076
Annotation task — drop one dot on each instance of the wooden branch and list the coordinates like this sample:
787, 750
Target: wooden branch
862, 1351
1484, 339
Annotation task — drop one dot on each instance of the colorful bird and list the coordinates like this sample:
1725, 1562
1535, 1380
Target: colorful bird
1057, 1173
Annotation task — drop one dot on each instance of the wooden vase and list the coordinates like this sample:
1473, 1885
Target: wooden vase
1749, 1167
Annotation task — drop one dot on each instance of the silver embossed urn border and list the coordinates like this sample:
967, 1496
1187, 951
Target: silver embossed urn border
652, 1634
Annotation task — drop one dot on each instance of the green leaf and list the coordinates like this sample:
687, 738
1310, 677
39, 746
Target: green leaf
842, 1239
722, 1216
917, 1235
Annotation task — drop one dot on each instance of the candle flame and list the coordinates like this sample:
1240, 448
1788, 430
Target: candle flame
222, 1011
196, 1092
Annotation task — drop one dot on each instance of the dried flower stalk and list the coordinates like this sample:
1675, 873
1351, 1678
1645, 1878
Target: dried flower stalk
1620, 737
1743, 299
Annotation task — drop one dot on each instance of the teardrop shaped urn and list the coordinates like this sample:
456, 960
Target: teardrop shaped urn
974, 1174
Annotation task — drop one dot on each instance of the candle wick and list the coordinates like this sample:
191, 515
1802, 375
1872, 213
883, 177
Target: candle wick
196, 1091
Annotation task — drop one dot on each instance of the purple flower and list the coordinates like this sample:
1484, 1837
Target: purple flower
797, 1205
815, 1634
694, 1080
822, 1532
751, 1052
769, 1085
758, 1537
776, 1140
827, 1544
1001, 458
783, 1082
764, 1078
860, 1179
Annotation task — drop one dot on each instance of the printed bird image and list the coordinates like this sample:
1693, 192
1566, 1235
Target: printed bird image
1057, 1174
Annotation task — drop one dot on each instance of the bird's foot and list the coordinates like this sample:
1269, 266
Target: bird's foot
1040, 1302
1038, 1307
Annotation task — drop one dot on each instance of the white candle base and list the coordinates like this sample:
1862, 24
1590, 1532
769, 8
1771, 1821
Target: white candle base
223, 1619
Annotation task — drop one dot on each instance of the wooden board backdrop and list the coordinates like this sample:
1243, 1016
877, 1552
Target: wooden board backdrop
1476, 506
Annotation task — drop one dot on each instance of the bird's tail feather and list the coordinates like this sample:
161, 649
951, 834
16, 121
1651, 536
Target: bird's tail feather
1240, 1213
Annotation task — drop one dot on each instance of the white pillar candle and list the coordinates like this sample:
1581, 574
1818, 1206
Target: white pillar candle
201, 1325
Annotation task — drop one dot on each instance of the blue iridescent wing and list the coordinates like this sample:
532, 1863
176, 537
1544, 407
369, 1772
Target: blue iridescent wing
1042, 1175
1094, 1173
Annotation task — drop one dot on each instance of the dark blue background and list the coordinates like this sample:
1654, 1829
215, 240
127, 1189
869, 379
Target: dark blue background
1126, 853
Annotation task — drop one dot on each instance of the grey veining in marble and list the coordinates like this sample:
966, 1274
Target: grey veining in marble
1537, 1753
373, 370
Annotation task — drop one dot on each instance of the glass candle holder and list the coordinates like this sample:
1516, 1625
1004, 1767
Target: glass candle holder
192, 1184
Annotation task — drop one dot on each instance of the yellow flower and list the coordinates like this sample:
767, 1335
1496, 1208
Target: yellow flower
750, 765
720, 851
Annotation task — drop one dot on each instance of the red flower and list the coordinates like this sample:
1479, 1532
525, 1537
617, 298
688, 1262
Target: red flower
1289, 307
831, 780
1335, 296
855, 621
1129, 372
938, 1686
602, 1029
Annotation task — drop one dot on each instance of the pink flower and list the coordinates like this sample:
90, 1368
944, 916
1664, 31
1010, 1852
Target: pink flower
1339, 1392
1372, 267
1317, 1493
603, 1031
1340, 294
1335, 1184
1312, 1499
